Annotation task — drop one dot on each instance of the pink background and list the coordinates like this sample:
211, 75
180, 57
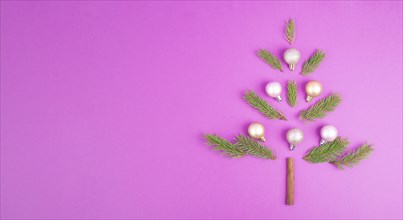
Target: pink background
104, 104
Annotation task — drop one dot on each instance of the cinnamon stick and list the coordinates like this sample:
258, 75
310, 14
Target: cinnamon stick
290, 181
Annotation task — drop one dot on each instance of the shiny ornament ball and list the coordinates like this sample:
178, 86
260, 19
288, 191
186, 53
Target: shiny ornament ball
313, 89
292, 56
256, 130
328, 133
294, 137
273, 89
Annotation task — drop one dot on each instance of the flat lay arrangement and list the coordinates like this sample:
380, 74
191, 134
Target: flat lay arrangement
332, 148
201, 109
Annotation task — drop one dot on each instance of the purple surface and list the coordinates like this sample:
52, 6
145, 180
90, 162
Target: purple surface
104, 104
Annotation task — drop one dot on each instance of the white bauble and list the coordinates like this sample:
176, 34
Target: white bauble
294, 137
292, 57
273, 89
328, 133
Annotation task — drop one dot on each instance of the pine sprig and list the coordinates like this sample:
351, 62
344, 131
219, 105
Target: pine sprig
254, 148
262, 106
313, 62
290, 31
292, 93
270, 59
320, 108
327, 152
225, 147
354, 157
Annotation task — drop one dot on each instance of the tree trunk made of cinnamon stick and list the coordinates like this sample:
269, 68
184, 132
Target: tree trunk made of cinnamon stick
290, 181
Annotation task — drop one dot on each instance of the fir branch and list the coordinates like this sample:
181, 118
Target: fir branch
292, 93
327, 152
290, 31
270, 59
254, 148
354, 157
262, 106
320, 108
313, 62
226, 148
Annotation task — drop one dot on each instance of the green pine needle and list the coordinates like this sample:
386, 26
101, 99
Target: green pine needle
262, 106
313, 62
290, 31
319, 109
327, 152
354, 157
254, 148
292, 93
226, 148
270, 59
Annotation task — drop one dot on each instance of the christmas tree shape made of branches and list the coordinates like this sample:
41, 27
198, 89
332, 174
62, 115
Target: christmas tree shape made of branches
333, 152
